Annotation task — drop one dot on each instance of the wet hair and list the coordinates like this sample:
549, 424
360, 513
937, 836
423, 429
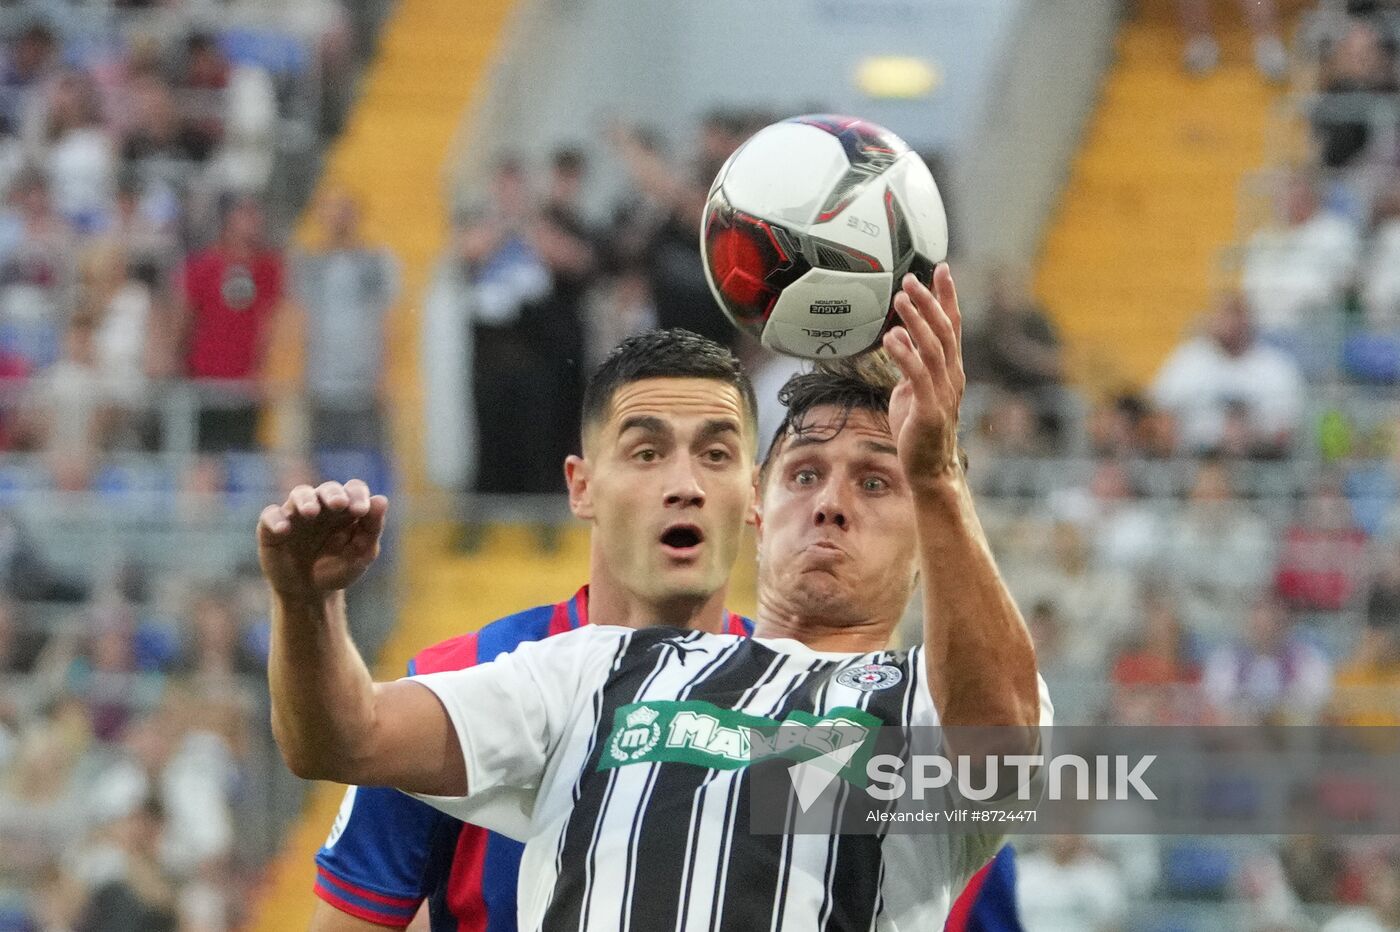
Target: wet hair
663, 354
862, 383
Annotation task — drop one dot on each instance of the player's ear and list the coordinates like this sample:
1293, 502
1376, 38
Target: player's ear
755, 515
576, 475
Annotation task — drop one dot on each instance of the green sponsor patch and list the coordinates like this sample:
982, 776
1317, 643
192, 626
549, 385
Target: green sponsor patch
706, 735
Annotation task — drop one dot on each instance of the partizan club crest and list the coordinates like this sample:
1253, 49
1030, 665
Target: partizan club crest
869, 677
640, 734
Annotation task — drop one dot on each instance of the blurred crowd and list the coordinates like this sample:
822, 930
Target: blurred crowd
125, 721
141, 280
151, 157
1222, 546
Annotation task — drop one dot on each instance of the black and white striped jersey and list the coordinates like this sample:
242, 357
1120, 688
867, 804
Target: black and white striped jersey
618, 756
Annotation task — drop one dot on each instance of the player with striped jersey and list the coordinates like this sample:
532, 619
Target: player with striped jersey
618, 753
388, 853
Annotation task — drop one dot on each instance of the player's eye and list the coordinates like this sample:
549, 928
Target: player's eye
804, 476
646, 455
717, 455
874, 484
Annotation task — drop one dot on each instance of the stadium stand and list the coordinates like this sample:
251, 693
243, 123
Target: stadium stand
153, 155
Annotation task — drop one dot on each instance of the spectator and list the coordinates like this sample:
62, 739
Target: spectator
36, 262
1357, 62
620, 308
505, 274
142, 228
1271, 676
155, 131
1380, 280
1153, 675
189, 770
345, 289
1295, 273
29, 63
245, 157
136, 895
1114, 426
1125, 533
658, 227
1323, 559
232, 292
1096, 605
1077, 698
1220, 552
203, 76
1067, 887
70, 140
1226, 376
1008, 426
219, 655
1383, 601
68, 410
1315, 866
1016, 347
1380, 912
565, 244
121, 307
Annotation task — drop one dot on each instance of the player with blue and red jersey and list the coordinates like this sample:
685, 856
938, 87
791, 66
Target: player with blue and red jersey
389, 853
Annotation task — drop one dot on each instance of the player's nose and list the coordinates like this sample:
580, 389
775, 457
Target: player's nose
831, 507
683, 487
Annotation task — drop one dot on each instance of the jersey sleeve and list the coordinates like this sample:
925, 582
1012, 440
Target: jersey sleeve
509, 715
375, 861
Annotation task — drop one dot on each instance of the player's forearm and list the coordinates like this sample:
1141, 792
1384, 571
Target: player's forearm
322, 693
981, 662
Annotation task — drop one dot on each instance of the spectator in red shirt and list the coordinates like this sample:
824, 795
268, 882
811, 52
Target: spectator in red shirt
232, 291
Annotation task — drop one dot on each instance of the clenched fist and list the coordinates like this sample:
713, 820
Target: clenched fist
320, 540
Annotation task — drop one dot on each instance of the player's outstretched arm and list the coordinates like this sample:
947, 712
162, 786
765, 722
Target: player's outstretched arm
331, 720
981, 663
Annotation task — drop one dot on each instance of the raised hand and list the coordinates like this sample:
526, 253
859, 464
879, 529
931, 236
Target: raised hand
320, 540
927, 347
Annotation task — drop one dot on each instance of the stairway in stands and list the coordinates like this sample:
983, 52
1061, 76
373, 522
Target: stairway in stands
393, 156
1132, 254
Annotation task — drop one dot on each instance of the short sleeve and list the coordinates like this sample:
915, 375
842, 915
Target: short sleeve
509, 715
379, 850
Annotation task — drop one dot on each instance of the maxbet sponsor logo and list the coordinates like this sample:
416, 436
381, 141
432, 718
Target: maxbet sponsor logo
705, 735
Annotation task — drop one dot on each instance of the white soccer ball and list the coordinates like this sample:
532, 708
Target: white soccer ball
810, 227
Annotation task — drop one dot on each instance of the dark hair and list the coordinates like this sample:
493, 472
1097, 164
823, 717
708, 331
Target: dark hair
861, 383
664, 354
569, 160
508, 163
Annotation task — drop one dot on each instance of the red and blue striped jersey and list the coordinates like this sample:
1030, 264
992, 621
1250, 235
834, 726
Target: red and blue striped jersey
988, 902
389, 853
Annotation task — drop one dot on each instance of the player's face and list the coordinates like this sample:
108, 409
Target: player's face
836, 532
667, 481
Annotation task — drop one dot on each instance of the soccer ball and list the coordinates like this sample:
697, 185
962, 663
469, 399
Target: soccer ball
809, 228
